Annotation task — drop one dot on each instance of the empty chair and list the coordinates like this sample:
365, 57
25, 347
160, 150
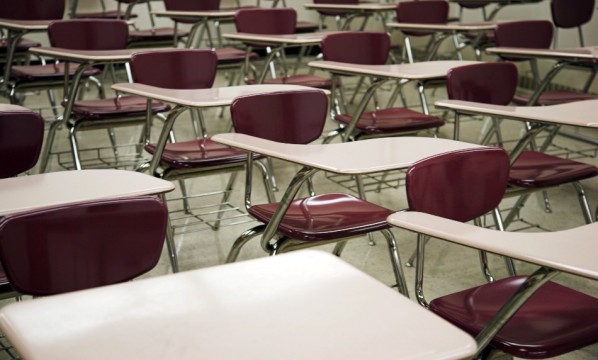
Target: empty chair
370, 48
422, 12
538, 35
567, 14
555, 320
275, 21
21, 136
97, 34
177, 69
74, 247
298, 118
495, 83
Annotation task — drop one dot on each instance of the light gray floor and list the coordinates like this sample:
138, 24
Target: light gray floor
448, 267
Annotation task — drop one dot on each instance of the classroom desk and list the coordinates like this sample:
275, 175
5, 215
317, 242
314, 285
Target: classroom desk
585, 56
498, 5
570, 251
16, 29
198, 98
32, 192
353, 10
86, 59
347, 158
278, 42
202, 20
444, 31
304, 305
579, 113
422, 73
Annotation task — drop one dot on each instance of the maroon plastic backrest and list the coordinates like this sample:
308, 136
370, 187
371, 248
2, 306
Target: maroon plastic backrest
460, 185
536, 34
490, 83
472, 4
89, 34
32, 9
21, 137
571, 13
175, 69
82, 246
422, 12
266, 21
295, 117
357, 47
191, 5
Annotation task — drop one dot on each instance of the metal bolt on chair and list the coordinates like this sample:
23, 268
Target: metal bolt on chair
295, 223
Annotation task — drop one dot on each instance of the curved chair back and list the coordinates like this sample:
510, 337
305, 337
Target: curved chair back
373, 47
89, 34
535, 34
75, 247
33, 10
422, 12
21, 137
266, 21
571, 13
295, 117
477, 177
175, 69
490, 83
196, 5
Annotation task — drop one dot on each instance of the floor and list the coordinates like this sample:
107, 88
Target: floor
448, 267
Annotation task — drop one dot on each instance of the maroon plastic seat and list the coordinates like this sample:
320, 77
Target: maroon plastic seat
48, 72
555, 320
538, 35
372, 48
275, 21
421, 12
197, 153
75, 247
298, 118
22, 46
569, 14
21, 136
98, 34
495, 83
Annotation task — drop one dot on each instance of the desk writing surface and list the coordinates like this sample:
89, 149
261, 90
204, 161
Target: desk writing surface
580, 54
356, 157
572, 251
291, 39
25, 25
460, 27
89, 55
301, 305
202, 97
13, 108
70, 187
417, 71
579, 113
196, 14
366, 6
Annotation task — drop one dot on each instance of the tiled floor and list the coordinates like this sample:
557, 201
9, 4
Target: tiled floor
448, 267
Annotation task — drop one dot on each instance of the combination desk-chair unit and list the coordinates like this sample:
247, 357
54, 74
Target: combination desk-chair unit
64, 233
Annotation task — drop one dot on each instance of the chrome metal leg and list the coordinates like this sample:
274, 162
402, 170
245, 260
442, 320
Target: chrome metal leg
234, 251
419, 270
583, 202
395, 260
170, 246
225, 197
